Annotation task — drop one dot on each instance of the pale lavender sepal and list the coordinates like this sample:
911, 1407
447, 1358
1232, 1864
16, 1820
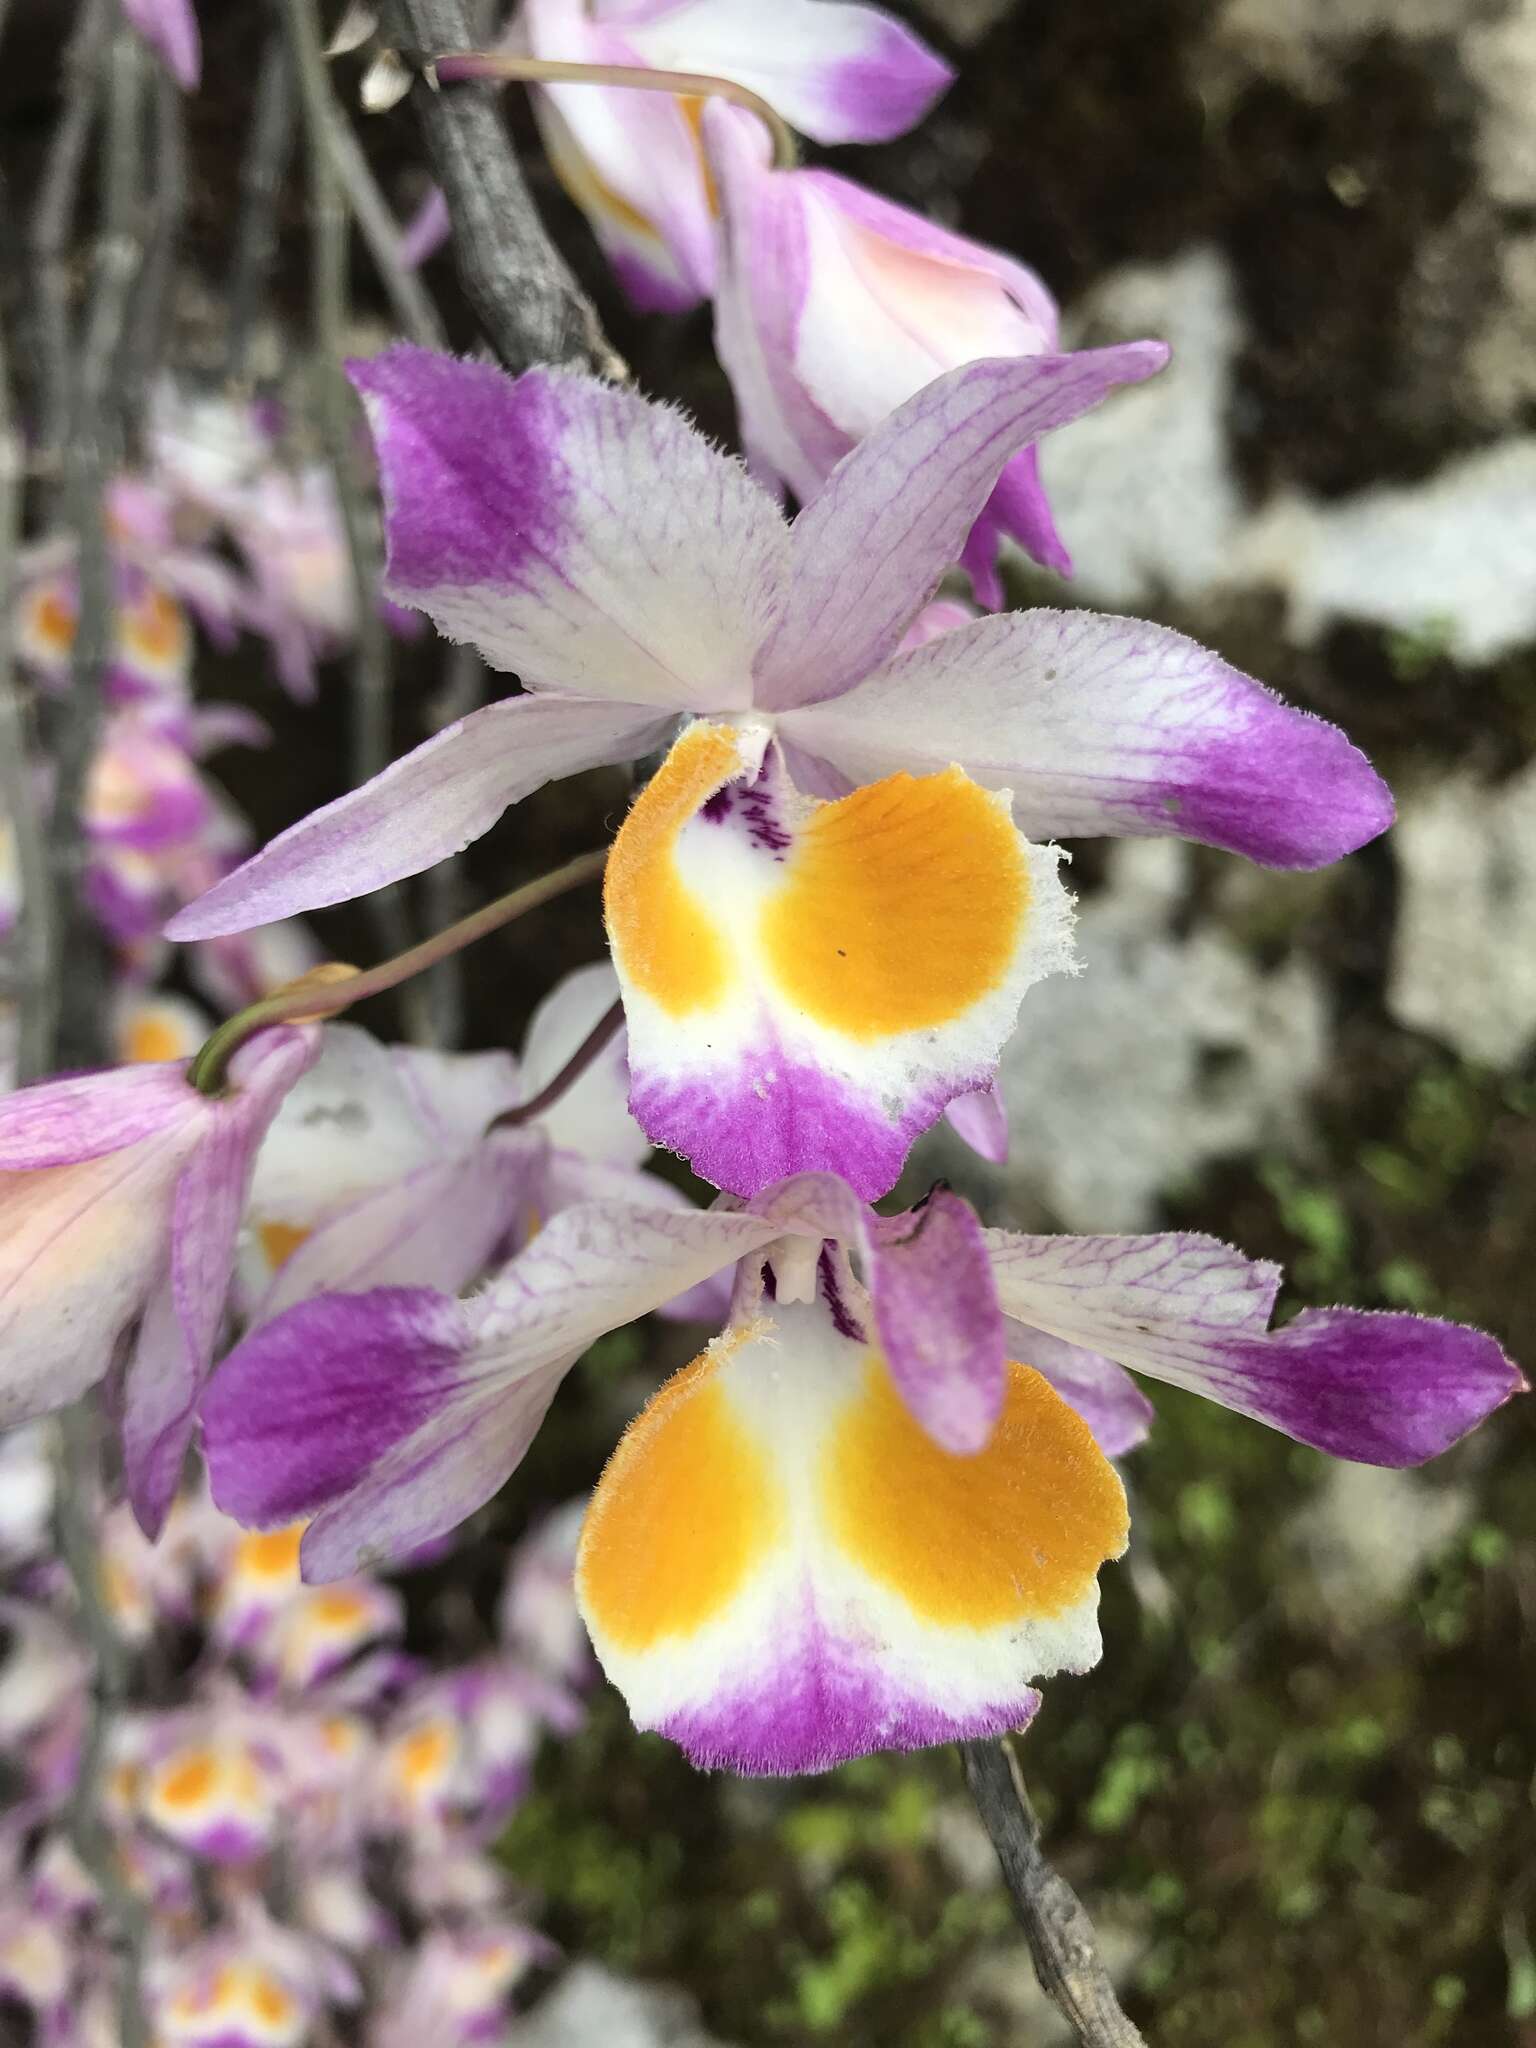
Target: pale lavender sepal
765, 277
937, 1314
578, 535
428, 1484
838, 72
424, 807
1381, 1389
82, 1249
170, 1362
867, 552
980, 1119
436, 1227
170, 27
1110, 726
1103, 1393
85, 1116
1018, 509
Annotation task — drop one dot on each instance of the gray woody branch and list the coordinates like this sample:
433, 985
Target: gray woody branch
1059, 1932
527, 301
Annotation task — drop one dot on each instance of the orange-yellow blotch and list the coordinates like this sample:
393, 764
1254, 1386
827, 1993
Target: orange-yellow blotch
337, 1609
683, 1513
279, 1241
424, 1754
667, 941
270, 1553
1014, 1533
903, 906
53, 621
189, 1782
591, 192
156, 627
269, 2001
152, 1037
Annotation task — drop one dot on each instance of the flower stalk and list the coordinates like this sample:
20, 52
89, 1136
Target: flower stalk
330, 989
1058, 1930
458, 65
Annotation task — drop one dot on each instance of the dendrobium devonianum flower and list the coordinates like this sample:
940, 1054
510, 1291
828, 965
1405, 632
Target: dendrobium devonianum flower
170, 27
121, 1195
308, 1828
898, 1446
821, 923
633, 161
833, 306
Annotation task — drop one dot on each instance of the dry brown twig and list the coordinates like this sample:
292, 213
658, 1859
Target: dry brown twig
1058, 1930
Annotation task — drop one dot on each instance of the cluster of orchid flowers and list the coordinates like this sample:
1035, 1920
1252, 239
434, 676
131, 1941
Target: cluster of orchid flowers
873, 1510
215, 535
305, 1823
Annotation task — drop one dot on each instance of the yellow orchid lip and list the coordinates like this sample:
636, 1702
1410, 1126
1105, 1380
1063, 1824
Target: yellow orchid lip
806, 982
780, 1567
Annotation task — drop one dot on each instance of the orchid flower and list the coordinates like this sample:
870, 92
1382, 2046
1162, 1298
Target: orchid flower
905, 1521
170, 28
821, 924
632, 160
367, 1790
833, 306
383, 1169
120, 1198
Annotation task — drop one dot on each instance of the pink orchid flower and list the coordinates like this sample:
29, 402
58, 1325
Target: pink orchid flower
833, 306
633, 160
120, 1199
823, 908
906, 1522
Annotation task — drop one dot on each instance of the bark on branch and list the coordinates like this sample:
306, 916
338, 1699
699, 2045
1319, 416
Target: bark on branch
527, 301
1058, 1930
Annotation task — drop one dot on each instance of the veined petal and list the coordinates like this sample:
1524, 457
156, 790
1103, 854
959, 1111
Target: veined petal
398, 1412
835, 71
437, 1227
85, 1116
1104, 725
303, 1409
589, 540
806, 985
862, 1589
175, 1347
429, 804
867, 552
81, 1249
1381, 1389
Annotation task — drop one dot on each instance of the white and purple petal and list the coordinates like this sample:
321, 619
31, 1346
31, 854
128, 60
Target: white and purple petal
1109, 726
868, 551
424, 807
590, 541
1383, 1389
